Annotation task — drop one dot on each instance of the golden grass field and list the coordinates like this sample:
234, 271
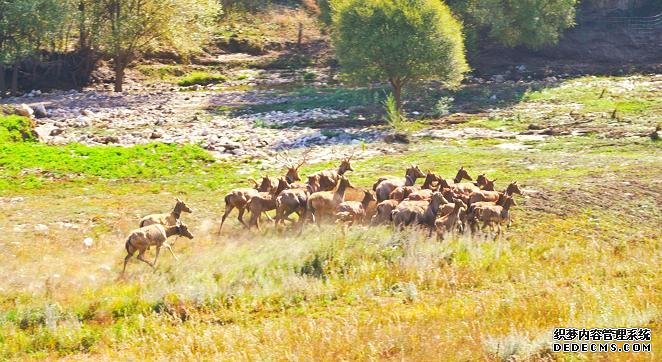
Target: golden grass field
584, 251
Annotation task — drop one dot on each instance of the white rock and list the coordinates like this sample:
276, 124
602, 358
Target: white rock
88, 241
41, 228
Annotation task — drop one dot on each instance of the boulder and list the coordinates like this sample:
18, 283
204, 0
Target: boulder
40, 111
24, 110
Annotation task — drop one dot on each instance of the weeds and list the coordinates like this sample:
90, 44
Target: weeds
200, 78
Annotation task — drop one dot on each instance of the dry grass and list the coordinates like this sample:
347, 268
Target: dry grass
361, 295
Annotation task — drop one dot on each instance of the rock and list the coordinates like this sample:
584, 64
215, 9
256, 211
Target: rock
24, 110
535, 127
397, 138
41, 228
499, 78
88, 241
87, 112
44, 132
655, 135
40, 111
155, 134
109, 139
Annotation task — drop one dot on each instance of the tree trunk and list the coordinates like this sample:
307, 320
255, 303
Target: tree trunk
3, 85
14, 80
119, 75
396, 84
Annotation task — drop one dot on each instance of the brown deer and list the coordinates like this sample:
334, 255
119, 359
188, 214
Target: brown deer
324, 203
166, 219
450, 222
353, 211
263, 202
238, 198
384, 187
156, 234
328, 179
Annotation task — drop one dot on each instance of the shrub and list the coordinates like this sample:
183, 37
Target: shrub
16, 129
200, 78
399, 41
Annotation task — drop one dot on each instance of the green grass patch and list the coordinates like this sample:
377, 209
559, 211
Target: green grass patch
600, 95
200, 78
26, 165
16, 129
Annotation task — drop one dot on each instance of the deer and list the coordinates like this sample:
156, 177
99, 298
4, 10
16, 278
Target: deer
458, 186
353, 211
328, 179
166, 219
384, 212
324, 203
156, 234
451, 221
414, 192
263, 202
384, 187
294, 200
238, 198
478, 200
491, 215
292, 174
418, 212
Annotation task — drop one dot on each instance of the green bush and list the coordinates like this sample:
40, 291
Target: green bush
201, 78
16, 129
399, 41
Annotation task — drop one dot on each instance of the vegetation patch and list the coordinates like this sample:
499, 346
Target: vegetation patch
200, 78
16, 129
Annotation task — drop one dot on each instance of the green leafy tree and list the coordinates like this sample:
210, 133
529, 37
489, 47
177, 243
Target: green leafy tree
532, 23
131, 27
25, 26
399, 41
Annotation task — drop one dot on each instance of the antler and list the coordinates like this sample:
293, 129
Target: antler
305, 156
349, 158
286, 158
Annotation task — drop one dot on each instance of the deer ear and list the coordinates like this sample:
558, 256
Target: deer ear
462, 167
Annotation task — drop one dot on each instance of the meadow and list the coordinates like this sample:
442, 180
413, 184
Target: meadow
584, 251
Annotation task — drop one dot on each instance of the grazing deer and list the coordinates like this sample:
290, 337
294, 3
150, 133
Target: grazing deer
156, 234
169, 218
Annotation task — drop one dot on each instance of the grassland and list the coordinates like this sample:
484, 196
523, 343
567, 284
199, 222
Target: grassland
584, 251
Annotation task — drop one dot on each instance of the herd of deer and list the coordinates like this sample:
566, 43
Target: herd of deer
441, 205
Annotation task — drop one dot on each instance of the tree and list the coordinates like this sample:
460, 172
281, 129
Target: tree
25, 26
399, 41
532, 23
135, 26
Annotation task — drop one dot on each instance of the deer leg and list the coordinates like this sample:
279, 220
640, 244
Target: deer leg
141, 257
170, 249
241, 217
158, 249
228, 209
126, 260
